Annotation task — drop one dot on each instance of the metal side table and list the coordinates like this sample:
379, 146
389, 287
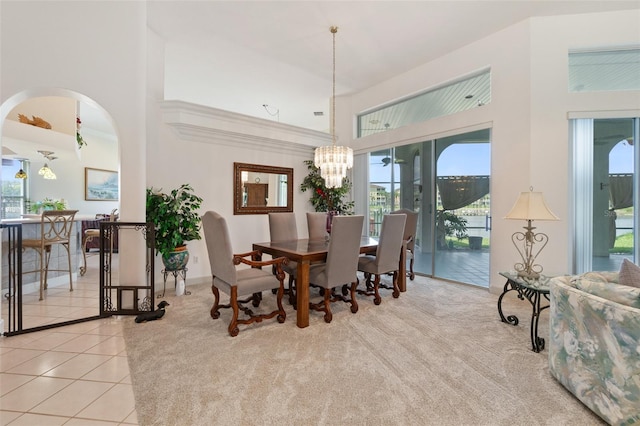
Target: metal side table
533, 291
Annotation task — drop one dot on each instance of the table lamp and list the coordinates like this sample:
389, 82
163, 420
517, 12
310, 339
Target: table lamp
530, 206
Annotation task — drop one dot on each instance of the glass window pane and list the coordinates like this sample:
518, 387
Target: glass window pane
451, 98
604, 70
13, 189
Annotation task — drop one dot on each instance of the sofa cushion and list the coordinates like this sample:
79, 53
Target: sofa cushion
629, 274
625, 295
593, 351
592, 276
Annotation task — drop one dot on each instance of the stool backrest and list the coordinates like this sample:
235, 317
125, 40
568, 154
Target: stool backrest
56, 226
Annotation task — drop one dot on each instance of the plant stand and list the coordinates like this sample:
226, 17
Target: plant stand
182, 273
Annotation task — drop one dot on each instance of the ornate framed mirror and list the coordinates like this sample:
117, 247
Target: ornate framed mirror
259, 189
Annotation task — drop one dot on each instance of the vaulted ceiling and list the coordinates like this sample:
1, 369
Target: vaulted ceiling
242, 55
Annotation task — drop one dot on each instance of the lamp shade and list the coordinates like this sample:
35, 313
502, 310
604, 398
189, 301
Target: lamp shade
46, 172
531, 206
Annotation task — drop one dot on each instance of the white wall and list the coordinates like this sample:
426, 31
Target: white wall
527, 114
103, 53
206, 161
96, 53
100, 153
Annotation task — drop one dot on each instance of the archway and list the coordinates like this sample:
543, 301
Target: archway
21, 141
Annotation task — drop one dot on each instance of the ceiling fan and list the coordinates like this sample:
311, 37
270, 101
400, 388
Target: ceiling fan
387, 160
48, 155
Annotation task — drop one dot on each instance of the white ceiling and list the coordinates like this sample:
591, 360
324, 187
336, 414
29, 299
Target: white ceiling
283, 44
279, 53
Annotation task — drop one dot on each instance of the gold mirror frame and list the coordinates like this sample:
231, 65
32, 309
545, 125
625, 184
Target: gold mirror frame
239, 208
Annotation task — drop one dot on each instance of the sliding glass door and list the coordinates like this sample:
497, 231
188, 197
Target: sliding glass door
462, 216
605, 182
452, 239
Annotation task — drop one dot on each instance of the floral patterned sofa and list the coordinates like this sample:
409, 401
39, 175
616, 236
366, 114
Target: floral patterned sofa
594, 343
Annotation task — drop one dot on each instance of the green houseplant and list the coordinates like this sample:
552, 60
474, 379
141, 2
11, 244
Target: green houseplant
448, 225
47, 204
326, 199
176, 221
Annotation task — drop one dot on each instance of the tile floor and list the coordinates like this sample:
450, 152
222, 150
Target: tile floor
71, 375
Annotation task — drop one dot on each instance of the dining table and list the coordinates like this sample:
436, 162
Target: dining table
305, 252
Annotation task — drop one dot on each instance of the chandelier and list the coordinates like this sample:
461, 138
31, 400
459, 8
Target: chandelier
333, 161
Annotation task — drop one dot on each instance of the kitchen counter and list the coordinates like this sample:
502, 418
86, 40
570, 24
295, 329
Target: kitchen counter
30, 230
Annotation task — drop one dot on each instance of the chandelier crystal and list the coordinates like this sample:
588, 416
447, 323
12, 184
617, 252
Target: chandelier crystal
333, 161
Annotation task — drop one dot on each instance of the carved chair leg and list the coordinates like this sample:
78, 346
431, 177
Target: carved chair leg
233, 324
354, 303
396, 288
328, 316
292, 291
256, 298
282, 315
367, 280
411, 274
215, 310
376, 285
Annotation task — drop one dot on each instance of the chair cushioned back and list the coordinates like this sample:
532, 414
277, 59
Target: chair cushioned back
216, 235
317, 225
344, 249
410, 226
391, 234
282, 227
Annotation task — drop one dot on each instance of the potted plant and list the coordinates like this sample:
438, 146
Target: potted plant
47, 204
449, 225
176, 221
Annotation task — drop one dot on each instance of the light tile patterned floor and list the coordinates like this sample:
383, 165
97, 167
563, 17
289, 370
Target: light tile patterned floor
71, 375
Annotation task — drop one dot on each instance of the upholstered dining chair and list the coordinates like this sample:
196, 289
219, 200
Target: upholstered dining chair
387, 257
410, 228
341, 266
317, 225
282, 227
55, 230
236, 282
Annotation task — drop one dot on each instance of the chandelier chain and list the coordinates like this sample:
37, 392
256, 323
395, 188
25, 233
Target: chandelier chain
333, 30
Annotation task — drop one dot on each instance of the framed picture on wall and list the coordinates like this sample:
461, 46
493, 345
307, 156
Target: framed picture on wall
100, 185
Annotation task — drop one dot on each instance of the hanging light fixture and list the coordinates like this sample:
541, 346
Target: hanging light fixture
45, 171
21, 174
333, 161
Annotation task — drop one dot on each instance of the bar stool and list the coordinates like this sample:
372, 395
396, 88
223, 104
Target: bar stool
55, 229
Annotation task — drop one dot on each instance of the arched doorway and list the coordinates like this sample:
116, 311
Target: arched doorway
23, 144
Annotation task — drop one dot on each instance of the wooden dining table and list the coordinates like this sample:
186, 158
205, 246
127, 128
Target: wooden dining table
304, 252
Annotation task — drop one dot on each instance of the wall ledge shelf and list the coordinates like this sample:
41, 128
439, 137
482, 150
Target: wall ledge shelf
219, 127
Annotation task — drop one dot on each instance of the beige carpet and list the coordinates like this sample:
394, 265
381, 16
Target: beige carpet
437, 355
